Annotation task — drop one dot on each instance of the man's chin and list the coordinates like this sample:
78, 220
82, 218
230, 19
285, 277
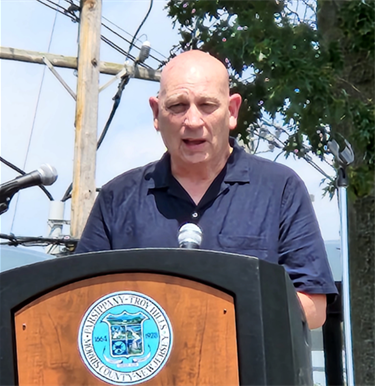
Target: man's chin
196, 159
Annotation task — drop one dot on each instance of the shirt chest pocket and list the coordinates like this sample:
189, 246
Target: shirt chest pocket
248, 245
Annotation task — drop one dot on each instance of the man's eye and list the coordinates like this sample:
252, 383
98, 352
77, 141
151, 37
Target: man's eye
177, 107
208, 107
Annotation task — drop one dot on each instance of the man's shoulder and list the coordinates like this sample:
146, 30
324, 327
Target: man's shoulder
131, 179
267, 168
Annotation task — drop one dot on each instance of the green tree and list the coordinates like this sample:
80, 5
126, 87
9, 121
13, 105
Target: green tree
312, 69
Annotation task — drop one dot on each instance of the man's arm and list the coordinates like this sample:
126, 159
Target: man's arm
302, 252
95, 236
314, 306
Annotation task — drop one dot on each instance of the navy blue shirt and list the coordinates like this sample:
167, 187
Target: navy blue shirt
254, 207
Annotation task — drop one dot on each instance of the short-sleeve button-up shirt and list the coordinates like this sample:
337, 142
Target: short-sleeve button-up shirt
254, 207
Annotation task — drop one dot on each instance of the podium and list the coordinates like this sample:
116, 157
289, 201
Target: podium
152, 317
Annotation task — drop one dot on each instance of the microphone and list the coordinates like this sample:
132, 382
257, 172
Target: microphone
190, 236
45, 175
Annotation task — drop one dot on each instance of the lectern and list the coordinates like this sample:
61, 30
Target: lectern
152, 317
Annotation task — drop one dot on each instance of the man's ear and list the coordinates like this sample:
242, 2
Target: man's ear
235, 101
154, 104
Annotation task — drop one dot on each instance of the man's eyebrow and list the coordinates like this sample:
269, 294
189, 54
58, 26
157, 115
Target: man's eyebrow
182, 96
209, 98
174, 97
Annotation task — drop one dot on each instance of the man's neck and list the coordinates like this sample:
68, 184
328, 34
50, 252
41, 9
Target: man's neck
196, 179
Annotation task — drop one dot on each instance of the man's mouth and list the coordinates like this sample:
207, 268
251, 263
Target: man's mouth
193, 142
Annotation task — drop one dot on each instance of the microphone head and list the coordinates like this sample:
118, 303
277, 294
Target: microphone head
190, 236
48, 174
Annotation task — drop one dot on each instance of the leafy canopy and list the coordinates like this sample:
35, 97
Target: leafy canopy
282, 69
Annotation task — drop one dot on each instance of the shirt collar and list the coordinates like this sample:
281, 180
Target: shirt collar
237, 164
158, 177
237, 168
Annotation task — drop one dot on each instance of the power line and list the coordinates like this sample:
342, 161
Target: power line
122, 51
117, 98
74, 18
71, 14
30, 241
140, 26
34, 118
121, 29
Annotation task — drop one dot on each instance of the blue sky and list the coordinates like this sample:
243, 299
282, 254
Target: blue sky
131, 141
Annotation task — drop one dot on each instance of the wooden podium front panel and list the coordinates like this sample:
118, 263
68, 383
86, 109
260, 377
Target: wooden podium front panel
204, 350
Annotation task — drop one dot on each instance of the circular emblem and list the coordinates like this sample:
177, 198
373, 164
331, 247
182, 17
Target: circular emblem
125, 338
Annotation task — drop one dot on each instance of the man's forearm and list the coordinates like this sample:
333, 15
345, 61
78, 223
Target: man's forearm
314, 306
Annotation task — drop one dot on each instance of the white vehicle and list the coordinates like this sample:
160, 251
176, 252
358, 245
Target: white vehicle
13, 257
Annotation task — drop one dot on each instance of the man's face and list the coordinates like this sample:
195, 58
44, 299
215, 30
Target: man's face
194, 114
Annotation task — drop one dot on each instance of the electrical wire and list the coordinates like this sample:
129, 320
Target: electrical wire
123, 82
56, 4
117, 98
20, 171
282, 151
34, 118
76, 19
119, 49
279, 144
140, 26
14, 167
122, 51
69, 13
36, 241
151, 56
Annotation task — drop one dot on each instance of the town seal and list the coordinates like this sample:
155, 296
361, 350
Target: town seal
125, 338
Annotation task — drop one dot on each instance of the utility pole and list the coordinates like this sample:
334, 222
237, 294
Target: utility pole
89, 66
86, 122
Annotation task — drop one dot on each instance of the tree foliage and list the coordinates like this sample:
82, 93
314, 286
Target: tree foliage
282, 69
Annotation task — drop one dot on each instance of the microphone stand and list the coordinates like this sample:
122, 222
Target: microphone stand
4, 205
343, 159
6, 194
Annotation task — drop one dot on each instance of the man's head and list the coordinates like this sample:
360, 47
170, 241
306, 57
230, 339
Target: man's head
194, 111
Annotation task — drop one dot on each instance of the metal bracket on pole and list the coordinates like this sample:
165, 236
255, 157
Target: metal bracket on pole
55, 225
344, 158
61, 80
116, 77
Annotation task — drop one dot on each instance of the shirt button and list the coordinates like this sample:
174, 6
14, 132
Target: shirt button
194, 215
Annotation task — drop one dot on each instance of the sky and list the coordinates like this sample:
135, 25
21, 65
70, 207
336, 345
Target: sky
37, 113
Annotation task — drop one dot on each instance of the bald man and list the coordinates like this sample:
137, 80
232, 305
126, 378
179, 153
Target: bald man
243, 203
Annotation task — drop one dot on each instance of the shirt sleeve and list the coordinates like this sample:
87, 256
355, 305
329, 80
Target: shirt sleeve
301, 247
96, 234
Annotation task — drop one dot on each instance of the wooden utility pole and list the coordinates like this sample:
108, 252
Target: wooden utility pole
83, 194
89, 66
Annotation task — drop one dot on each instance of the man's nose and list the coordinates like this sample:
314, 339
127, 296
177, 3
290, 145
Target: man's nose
193, 118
